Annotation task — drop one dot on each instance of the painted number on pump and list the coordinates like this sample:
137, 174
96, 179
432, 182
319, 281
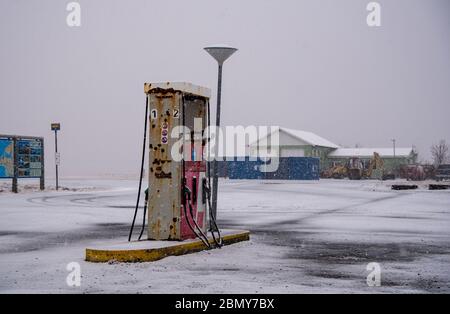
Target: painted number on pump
153, 114
176, 113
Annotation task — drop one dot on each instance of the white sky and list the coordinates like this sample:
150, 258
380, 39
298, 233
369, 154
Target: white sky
310, 65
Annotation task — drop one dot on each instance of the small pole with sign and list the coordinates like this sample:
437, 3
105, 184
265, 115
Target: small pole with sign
56, 127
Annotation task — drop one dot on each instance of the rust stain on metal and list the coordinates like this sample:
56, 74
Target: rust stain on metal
161, 161
163, 175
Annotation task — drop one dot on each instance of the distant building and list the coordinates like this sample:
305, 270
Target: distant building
295, 143
403, 156
302, 155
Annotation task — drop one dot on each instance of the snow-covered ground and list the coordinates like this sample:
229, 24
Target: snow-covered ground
306, 237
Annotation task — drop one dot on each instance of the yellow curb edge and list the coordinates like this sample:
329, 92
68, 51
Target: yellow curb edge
151, 255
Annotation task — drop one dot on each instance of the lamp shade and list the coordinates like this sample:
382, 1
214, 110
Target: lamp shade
220, 52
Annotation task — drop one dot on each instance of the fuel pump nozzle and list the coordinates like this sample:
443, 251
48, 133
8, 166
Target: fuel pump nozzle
187, 202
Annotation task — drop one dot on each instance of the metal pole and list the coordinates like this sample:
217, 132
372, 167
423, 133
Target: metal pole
56, 161
16, 166
42, 181
220, 53
216, 148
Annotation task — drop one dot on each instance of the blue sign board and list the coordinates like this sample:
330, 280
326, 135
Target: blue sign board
6, 158
21, 157
29, 158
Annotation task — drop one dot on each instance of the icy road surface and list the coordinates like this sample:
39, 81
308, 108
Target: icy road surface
307, 237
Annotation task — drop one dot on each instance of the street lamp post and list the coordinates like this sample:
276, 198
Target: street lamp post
220, 53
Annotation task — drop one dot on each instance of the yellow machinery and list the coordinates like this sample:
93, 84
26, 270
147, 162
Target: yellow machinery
335, 172
354, 169
376, 167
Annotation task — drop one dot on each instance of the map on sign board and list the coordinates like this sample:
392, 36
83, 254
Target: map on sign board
29, 155
6, 158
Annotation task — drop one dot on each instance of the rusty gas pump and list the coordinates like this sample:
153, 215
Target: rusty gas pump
179, 176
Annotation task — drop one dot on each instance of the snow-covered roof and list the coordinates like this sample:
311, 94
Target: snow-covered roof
310, 138
368, 152
304, 136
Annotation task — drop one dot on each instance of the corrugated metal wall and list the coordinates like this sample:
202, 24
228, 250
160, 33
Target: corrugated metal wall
290, 168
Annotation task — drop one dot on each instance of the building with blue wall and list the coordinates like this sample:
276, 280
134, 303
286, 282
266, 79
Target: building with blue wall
301, 155
289, 168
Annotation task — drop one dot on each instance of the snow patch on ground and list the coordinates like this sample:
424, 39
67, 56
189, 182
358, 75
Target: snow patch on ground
306, 237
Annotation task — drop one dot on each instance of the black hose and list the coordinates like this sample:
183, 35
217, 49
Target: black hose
219, 242
197, 226
143, 221
205, 241
144, 215
142, 171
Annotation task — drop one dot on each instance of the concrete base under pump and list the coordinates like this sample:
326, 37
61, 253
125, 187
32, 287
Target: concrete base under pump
149, 251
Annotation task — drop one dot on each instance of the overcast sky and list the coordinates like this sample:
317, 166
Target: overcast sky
309, 65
